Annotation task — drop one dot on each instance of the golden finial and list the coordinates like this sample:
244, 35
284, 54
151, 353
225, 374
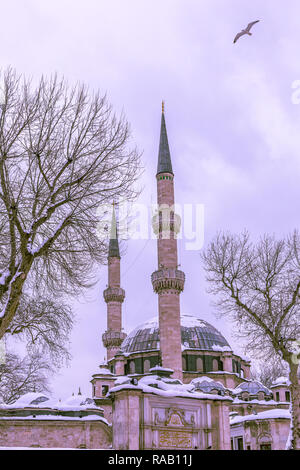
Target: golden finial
163, 106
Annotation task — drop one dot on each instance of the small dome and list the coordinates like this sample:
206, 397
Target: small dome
195, 334
206, 385
30, 398
79, 401
253, 388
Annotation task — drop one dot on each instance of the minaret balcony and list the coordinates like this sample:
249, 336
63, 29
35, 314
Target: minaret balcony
114, 294
165, 222
168, 279
113, 339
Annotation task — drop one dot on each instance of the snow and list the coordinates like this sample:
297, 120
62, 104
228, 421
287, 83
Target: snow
159, 368
18, 273
188, 321
244, 358
56, 418
280, 381
4, 276
104, 371
216, 347
122, 379
205, 379
259, 402
167, 388
269, 414
73, 403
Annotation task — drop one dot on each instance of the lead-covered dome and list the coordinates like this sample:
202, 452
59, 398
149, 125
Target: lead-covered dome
195, 334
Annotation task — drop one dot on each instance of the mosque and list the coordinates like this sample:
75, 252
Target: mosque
174, 382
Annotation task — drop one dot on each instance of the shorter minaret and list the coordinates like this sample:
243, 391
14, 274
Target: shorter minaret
114, 296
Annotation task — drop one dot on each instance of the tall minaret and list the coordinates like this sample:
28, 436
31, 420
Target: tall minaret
167, 281
114, 296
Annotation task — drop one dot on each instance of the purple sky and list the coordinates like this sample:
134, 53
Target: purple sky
234, 132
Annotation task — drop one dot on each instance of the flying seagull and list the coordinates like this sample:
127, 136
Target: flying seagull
245, 31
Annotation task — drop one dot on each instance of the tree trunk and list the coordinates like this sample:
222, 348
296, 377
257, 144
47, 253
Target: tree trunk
295, 405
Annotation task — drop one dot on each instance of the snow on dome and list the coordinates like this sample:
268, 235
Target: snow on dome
76, 401
31, 398
252, 387
195, 334
206, 384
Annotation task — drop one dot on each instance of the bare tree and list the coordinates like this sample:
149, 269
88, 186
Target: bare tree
44, 325
62, 154
268, 372
20, 376
258, 287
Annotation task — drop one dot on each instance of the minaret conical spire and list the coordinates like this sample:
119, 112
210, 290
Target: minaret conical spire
164, 158
113, 250
113, 295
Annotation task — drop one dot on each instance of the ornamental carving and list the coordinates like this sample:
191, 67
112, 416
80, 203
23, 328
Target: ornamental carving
174, 439
168, 279
113, 338
114, 294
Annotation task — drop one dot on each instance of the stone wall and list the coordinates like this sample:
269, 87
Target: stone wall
54, 433
145, 421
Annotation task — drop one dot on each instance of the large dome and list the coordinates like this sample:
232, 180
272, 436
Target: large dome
195, 334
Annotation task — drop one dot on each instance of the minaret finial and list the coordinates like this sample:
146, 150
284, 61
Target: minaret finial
163, 106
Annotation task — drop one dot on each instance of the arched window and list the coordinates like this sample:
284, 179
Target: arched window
132, 367
183, 363
261, 396
215, 364
199, 365
146, 366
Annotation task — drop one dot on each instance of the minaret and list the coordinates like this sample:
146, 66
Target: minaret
114, 296
167, 281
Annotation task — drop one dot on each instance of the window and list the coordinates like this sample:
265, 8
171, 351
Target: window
265, 447
199, 365
277, 396
215, 364
183, 363
146, 366
287, 396
104, 390
261, 396
240, 443
132, 367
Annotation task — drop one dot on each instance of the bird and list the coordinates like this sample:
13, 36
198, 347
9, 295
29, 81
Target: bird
245, 31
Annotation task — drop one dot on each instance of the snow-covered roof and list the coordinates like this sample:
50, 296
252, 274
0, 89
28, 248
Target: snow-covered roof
31, 399
206, 384
277, 413
38, 400
280, 381
167, 388
56, 418
252, 387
